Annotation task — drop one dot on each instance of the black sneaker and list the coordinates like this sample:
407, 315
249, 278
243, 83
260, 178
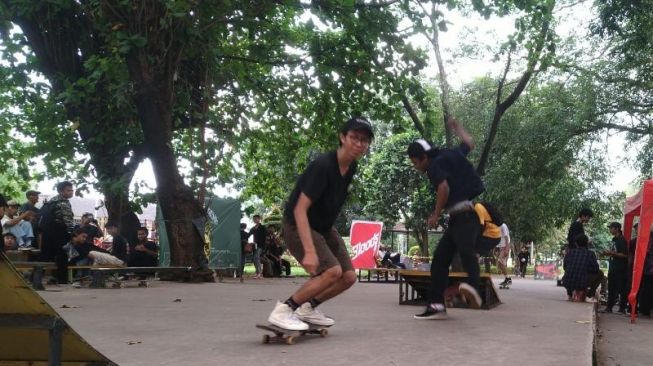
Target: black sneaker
432, 314
509, 281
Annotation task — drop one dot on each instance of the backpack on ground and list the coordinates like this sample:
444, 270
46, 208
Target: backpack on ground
495, 215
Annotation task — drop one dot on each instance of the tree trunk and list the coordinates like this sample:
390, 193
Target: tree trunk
176, 200
119, 211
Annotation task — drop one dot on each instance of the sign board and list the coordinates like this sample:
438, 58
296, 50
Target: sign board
365, 237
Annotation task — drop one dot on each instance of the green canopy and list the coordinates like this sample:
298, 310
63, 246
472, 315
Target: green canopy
223, 224
221, 232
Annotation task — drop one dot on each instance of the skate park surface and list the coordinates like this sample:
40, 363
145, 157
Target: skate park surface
172, 323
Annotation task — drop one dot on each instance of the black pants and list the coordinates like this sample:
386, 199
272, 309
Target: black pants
52, 251
523, 267
459, 237
646, 295
278, 266
617, 286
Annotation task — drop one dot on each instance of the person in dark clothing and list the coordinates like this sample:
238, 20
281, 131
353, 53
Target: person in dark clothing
78, 251
119, 247
145, 253
524, 257
258, 231
617, 272
58, 234
576, 228
456, 183
581, 267
308, 231
274, 252
246, 248
88, 224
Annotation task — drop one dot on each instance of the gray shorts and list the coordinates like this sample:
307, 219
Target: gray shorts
330, 248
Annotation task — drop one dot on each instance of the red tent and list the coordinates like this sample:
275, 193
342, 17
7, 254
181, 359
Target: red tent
640, 205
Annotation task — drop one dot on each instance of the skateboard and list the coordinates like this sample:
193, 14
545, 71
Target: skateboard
289, 336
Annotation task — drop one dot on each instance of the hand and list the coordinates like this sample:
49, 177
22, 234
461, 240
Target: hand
310, 263
452, 123
433, 222
140, 248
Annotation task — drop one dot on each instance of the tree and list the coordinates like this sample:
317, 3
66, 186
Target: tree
65, 50
393, 191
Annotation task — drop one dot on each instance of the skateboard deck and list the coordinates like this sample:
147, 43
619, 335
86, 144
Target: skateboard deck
289, 336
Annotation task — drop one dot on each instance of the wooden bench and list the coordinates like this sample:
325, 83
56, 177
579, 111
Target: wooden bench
414, 286
99, 274
38, 268
382, 275
23, 255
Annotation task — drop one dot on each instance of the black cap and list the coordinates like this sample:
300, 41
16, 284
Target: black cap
358, 123
615, 225
30, 193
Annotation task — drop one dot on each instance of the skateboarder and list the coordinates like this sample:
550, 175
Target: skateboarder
308, 230
456, 183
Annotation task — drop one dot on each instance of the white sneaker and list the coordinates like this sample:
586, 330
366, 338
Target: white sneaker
471, 295
283, 317
77, 284
313, 316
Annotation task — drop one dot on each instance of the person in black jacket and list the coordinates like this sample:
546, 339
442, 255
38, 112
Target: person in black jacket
617, 272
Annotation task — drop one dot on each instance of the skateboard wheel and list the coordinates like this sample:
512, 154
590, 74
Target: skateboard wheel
323, 332
290, 340
266, 338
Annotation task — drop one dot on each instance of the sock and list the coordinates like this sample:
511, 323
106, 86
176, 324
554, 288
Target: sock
314, 302
290, 302
437, 306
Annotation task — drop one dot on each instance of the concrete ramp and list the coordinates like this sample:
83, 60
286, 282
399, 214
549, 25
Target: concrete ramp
31, 331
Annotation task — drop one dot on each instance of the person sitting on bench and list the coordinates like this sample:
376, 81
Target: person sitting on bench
82, 253
389, 259
145, 253
274, 252
9, 242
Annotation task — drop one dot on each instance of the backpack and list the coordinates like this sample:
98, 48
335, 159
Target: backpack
495, 215
46, 220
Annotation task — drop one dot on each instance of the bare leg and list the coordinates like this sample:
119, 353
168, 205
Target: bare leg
318, 285
346, 281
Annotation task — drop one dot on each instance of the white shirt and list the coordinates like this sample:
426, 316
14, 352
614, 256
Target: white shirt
505, 236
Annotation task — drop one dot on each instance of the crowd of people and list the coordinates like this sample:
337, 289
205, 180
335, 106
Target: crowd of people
266, 250
583, 277
51, 231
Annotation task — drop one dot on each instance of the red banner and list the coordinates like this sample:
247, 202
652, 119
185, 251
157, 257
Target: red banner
365, 237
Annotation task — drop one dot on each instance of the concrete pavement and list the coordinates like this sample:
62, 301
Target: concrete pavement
622, 343
213, 324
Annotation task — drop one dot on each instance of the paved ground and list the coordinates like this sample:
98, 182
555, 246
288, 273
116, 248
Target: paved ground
622, 343
213, 324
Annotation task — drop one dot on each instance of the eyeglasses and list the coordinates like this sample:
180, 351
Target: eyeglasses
358, 139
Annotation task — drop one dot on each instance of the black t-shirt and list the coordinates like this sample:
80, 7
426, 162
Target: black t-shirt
575, 229
119, 248
452, 165
142, 259
619, 246
326, 188
259, 235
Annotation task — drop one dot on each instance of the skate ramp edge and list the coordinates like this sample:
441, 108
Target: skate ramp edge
30, 328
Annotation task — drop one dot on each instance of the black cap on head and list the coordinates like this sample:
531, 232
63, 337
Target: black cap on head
358, 123
615, 225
